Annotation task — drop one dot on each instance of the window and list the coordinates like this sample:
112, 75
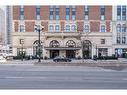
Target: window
118, 40
118, 28
103, 28
21, 12
102, 41
102, 52
57, 13
123, 12
86, 12
123, 40
86, 28
102, 10
21, 41
123, 28
51, 28
71, 43
22, 28
67, 28
67, 12
54, 43
73, 12
51, 17
73, 28
118, 12
57, 28
38, 12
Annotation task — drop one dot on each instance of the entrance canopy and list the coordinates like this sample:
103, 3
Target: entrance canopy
62, 48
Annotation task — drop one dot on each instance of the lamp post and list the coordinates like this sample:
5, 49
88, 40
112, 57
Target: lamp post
39, 29
22, 42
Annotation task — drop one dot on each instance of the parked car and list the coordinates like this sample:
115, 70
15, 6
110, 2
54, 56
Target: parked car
2, 59
61, 59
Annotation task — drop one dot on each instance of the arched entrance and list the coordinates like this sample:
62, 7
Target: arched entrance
70, 53
55, 52
36, 48
87, 49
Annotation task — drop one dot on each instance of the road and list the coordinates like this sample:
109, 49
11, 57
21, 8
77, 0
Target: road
60, 77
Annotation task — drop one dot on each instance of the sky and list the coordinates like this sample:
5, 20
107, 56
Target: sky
2, 7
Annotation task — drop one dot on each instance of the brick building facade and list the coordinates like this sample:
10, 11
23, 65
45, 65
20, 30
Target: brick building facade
70, 31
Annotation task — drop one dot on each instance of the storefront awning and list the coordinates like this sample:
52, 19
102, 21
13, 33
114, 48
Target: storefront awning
62, 48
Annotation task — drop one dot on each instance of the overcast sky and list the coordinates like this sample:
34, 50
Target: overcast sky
2, 7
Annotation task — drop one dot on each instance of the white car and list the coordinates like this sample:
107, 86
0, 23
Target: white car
2, 59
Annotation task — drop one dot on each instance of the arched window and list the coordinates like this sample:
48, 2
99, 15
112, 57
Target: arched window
54, 43
36, 48
71, 43
118, 28
123, 28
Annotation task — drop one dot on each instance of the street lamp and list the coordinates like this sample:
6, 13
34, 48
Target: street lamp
22, 42
39, 29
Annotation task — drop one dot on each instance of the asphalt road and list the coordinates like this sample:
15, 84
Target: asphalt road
61, 77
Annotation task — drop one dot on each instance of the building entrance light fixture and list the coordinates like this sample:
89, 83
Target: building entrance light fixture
38, 28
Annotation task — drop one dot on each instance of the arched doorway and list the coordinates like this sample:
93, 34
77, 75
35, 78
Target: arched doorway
70, 53
54, 44
36, 48
87, 49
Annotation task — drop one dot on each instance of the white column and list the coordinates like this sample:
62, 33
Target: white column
14, 51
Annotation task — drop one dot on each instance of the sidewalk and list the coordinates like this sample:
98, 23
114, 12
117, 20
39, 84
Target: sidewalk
50, 61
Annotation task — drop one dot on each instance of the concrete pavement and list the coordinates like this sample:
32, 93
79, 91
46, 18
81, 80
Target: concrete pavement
60, 77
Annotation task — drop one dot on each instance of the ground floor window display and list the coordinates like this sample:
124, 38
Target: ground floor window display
21, 52
102, 52
87, 49
36, 48
121, 52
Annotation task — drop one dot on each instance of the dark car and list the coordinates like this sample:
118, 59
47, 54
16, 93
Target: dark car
61, 59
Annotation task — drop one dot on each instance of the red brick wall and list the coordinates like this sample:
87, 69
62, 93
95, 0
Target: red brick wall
108, 13
45, 24
108, 26
29, 26
30, 12
16, 25
62, 23
95, 26
79, 12
62, 12
16, 12
44, 12
94, 13
80, 26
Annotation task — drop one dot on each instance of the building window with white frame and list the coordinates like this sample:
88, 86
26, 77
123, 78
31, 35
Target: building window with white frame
22, 28
123, 12
57, 28
118, 39
67, 28
73, 12
51, 28
86, 28
73, 28
38, 12
103, 28
86, 12
51, 9
21, 12
124, 40
118, 28
102, 12
67, 12
57, 13
118, 12
123, 28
